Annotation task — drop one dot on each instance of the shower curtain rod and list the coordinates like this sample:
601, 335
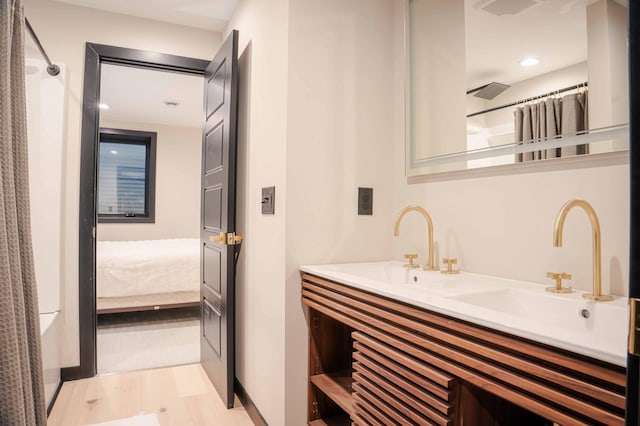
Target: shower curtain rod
52, 68
566, 89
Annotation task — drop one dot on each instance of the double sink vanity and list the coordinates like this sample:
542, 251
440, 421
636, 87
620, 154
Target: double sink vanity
394, 344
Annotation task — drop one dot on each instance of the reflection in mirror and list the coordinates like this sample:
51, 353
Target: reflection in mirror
495, 82
147, 271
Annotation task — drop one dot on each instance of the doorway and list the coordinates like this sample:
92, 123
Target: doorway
218, 243
96, 58
148, 207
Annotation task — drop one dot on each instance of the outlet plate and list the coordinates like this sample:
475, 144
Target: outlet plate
268, 200
365, 201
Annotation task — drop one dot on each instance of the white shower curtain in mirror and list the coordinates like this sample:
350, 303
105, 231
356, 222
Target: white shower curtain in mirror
539, 122
21, 384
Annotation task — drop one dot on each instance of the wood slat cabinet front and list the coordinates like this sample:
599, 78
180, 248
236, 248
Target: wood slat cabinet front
412, 366
422, 395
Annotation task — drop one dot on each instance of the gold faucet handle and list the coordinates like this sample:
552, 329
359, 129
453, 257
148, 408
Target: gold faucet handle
411, 257
558, 277
450, 263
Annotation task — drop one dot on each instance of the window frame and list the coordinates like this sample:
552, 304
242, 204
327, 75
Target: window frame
132, 137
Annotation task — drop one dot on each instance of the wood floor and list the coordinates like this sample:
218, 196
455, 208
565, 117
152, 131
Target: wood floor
180, 395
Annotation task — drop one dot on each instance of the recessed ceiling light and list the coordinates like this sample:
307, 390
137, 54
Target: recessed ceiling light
114, 152
529, 62
104, 106
171, 103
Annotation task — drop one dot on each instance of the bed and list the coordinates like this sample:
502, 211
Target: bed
147, 275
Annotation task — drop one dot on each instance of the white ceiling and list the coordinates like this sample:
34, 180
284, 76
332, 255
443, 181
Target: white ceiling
211, 15
137, 95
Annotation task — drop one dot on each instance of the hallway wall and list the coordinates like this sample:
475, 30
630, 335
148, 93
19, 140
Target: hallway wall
260, 310
339, 138
311, 125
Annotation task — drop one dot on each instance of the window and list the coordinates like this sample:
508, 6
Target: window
126, 176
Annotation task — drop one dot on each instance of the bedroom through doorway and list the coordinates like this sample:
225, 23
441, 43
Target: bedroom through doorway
148, 207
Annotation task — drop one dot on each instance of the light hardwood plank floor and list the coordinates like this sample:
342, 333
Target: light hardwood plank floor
181, 395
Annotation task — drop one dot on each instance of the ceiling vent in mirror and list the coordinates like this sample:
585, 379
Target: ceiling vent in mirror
505, 7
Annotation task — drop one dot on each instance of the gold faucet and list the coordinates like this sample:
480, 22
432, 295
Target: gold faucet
597, 257
396, 231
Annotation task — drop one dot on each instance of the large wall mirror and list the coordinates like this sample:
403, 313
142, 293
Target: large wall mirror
503, 82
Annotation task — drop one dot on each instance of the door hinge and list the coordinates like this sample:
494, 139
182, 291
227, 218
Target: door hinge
634, 326
226, 239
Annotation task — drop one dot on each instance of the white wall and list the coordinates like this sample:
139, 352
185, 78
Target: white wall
45, 127
607, 43
64, 29
503, 225
339, 138
178, 162
262, 137
438, 73
608, 63
321, 115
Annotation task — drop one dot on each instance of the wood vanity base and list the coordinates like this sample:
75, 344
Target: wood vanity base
377, 361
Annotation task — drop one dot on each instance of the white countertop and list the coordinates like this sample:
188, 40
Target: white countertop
517, 307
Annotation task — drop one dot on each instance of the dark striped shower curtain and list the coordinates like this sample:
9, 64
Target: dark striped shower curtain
21, 384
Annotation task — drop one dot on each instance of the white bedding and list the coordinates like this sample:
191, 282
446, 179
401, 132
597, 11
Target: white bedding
133, 268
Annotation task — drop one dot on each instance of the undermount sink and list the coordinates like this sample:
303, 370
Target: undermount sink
558, 311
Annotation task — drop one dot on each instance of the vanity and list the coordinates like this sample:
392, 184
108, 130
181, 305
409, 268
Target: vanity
394, 345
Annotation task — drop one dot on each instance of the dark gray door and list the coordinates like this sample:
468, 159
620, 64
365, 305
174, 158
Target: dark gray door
217, 236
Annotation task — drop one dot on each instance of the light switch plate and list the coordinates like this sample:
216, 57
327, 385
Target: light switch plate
365, 201
268, 200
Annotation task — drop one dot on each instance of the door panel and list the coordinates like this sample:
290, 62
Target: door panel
213, 150
217, 288
211, 326
215, 88
212, 208
211, 268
